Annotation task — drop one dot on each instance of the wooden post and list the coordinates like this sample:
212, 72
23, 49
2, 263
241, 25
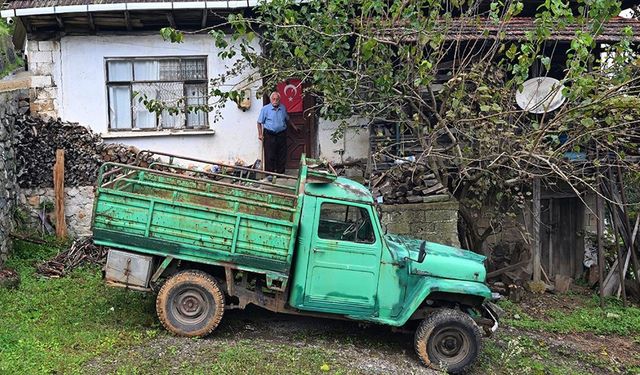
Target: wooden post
600, 215
536, 230
58, 187
633, 230
617, 227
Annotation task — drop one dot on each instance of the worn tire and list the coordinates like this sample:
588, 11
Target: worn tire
448, 340
190, 304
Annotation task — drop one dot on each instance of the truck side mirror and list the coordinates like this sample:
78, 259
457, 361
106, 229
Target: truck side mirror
423, 252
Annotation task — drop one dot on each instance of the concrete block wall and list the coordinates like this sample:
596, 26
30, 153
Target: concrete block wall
434, 222
44, 63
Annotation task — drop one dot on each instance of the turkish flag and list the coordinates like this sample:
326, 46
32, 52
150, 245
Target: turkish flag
291, 94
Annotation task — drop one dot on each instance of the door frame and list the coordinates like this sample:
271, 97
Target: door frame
378, 245
308, 109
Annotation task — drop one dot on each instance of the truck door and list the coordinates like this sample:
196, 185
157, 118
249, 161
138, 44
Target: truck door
344, 261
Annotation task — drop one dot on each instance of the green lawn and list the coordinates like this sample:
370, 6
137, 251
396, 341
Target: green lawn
63, 325
78, 325
614, 319
55, 325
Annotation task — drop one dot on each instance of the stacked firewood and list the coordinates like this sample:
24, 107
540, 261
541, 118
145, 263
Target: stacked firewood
118, 153
406, 183
37, 141
80, 253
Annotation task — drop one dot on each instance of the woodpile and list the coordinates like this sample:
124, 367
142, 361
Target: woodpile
80, 253
407, 183
37, 141
9, 278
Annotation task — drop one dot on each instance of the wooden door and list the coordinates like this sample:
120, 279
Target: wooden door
299, 142
562, 249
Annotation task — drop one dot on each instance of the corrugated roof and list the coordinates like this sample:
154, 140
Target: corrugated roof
21, 4
514, 30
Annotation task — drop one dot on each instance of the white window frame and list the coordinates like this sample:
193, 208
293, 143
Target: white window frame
185, 81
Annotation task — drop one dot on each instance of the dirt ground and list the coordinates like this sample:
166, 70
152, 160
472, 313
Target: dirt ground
372, 349
367, 349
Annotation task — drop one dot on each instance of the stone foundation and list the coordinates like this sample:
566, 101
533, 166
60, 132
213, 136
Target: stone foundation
78, 206
434, 222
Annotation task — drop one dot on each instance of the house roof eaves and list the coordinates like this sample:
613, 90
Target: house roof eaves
124, 6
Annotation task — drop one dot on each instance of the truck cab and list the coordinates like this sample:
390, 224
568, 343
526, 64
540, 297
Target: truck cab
207, 243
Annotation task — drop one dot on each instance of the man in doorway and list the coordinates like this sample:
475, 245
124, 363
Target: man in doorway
272, 132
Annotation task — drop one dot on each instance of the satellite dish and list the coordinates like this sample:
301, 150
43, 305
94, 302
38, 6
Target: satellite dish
540, 95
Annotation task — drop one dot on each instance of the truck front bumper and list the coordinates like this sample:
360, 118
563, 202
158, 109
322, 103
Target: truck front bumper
491, 313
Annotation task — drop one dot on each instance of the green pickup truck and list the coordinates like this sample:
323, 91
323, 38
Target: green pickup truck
211, 237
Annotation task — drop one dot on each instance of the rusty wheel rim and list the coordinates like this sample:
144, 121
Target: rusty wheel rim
191, 306
450, 345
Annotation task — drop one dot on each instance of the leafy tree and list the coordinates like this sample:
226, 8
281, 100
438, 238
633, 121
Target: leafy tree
448, 72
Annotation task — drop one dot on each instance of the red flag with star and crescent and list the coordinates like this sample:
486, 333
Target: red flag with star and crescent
291, 95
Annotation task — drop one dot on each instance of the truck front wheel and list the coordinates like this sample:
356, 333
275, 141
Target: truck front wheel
448, 340
190, 304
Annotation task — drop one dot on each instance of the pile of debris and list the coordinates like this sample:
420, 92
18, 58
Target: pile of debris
80, 253
9, 278
37, 141
407, 183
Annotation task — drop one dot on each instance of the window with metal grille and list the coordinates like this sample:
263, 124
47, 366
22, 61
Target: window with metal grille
180, 83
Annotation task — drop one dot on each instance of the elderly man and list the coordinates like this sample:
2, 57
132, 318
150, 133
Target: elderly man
272, 131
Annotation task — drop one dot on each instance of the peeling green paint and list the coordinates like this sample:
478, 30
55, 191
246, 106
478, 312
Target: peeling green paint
377, 280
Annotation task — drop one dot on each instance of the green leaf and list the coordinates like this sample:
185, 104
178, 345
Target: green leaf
368, 48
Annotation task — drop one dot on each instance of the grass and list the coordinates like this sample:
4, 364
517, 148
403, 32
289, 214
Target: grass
68, 325
522, 355
78, 325
243, 357
56, 325
614, 319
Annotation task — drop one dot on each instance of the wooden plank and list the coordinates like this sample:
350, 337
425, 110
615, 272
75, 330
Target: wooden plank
632, 242
507, 269
203, 23
536, 230
618, 228
58, 185
599, 230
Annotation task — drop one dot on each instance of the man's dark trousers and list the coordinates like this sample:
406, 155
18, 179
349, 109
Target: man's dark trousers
275, 151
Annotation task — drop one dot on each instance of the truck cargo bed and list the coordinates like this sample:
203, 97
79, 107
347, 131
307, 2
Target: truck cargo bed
169, 210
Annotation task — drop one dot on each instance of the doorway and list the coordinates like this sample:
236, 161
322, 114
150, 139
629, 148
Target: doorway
562, 243
300, 142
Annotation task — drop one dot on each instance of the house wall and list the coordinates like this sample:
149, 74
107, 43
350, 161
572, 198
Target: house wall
43, 59
69, 82
353, 146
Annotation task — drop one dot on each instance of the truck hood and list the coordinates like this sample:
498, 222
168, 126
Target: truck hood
441, 261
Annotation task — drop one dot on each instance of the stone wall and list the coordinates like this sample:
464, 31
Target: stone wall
78, 206
10, 105
435, 222
44, 63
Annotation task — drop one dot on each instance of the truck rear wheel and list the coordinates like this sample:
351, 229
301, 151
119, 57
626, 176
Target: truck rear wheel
190, 304
448, 340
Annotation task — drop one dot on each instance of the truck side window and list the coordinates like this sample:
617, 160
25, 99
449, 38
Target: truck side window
345, 223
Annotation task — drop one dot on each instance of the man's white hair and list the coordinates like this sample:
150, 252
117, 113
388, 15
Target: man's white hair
274, 93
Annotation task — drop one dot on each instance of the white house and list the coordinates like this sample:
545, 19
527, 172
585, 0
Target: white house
87, 61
